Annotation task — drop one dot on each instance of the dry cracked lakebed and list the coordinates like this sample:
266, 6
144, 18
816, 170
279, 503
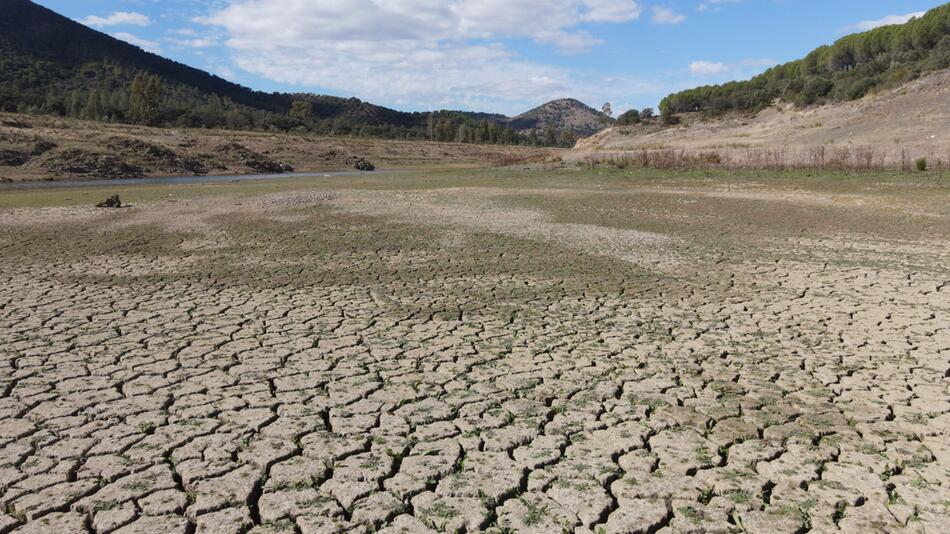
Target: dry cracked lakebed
501, 351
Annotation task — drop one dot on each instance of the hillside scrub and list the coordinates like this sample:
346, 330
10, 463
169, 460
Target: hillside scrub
846, 70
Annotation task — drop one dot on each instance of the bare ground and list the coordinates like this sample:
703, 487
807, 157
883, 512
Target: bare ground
493, 350
47, 148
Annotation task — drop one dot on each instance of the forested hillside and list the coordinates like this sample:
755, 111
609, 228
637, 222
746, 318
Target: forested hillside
846, 70
52, 65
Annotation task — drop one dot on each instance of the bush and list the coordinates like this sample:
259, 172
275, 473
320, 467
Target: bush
628, 118
922, 164
669, 118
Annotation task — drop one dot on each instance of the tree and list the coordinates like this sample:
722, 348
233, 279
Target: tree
445, 131
647, 114
493, 133
430, 127
630, 117
608, 112
145, 99
464, 134
669, 118
566, 138
93, 110
302, 110
550, 136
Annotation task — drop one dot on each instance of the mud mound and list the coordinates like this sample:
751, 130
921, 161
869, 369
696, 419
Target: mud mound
254, 160
177, 152
18, 154
79, 162
157, 156
13, 158
15, 123
41, 147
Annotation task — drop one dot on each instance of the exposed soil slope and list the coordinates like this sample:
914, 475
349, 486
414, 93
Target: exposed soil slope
44, 148
911, 120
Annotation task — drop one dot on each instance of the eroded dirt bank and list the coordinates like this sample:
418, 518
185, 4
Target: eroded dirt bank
48, 148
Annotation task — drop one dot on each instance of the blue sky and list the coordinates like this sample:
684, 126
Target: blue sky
488, 55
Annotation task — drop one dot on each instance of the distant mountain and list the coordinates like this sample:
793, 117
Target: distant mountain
565, 113
53, 65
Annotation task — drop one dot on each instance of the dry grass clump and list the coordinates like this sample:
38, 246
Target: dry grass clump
514, 160
775, 159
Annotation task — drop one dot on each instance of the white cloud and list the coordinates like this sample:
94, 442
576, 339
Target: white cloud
288, 22
759, 63
665, 15
195, 43
866, 25
610, 10
150, 46
420, 53
708, 68
740, 69
714, 4
118, 18
569, 42
224, 72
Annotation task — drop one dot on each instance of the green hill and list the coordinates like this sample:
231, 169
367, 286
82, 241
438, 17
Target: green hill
52, 65
846, 70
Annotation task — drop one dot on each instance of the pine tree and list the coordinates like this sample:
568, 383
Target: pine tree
145, 98
93, 109
566, 138
550, 136
301, 110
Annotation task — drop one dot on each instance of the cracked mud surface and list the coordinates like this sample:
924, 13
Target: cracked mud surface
580, 354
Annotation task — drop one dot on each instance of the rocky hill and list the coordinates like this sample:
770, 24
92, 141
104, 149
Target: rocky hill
566, 113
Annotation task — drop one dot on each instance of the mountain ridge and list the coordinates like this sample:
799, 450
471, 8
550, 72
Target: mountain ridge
48, 61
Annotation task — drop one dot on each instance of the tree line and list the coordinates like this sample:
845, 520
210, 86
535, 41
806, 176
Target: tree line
846, 70
109, 91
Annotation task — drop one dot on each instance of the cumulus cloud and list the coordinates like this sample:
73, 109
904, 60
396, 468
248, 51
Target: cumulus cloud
118, 18
421, 53
708, 68
289, 22
665, 15
866, 25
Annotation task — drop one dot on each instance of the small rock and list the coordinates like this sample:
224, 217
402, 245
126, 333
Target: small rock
111, 202
362, 164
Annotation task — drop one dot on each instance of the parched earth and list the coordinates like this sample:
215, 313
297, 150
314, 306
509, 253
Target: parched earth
534, 352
